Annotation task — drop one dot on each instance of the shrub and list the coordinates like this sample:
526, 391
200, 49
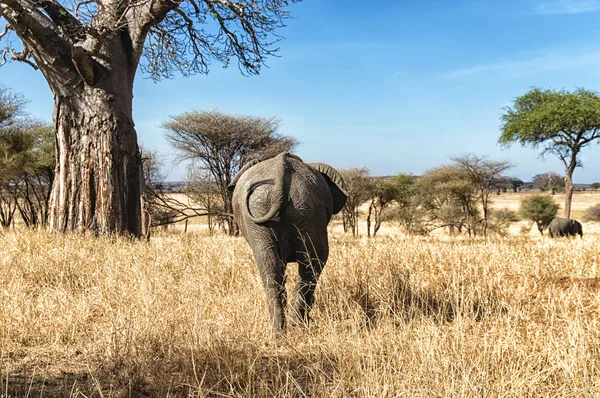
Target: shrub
540, 209
500, 220
592, 213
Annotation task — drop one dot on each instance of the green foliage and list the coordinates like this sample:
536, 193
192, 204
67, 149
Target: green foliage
222, 143
359, 188
540, 209
513, 183
391, 199
592, 213
595, 185
447, 196
549, 181
550, 117
27, 158
404, 185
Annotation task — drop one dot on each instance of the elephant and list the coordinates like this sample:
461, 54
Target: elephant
564, 227
282, 207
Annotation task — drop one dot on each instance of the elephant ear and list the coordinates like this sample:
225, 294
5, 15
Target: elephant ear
245, 167
336, 185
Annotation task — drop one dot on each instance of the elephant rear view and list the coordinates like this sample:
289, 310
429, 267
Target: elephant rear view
565, 227
282, 206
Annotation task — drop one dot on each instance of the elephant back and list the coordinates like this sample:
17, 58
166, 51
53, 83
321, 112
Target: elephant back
564, 226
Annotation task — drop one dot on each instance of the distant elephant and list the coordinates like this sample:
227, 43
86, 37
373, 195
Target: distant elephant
564, 227
282, 206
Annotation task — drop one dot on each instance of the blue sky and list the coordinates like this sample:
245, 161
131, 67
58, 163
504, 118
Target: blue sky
396, 87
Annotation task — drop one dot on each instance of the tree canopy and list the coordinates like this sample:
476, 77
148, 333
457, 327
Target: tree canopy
549, 181
165, 36
558, 121
221, 143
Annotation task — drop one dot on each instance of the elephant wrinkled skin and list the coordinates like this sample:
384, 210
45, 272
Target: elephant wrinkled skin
282, 206
564, 227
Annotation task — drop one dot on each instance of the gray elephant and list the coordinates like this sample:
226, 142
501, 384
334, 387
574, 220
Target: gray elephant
564, 227
282, 206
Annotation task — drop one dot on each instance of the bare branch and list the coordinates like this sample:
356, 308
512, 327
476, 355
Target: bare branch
70, 25
38, 33
80, 4
24, 56
5, 31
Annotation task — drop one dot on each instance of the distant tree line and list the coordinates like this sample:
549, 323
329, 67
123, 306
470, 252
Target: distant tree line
456, 196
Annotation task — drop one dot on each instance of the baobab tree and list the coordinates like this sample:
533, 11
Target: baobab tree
89, 52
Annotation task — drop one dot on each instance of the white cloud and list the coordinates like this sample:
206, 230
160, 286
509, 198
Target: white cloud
549, 62
555, 7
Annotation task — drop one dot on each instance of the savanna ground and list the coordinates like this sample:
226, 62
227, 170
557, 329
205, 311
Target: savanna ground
185, 315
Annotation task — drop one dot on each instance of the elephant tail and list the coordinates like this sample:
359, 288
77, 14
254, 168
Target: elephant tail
276, 205
277, 194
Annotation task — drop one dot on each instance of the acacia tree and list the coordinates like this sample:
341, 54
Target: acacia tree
560, 122
359, 188
26, 163
406, 209
383, 192
11, 108
31, 181
89, 52
219, 145
486, 176
514, 183
549, 181
447, 196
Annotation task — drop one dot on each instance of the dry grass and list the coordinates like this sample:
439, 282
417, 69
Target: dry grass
184, 315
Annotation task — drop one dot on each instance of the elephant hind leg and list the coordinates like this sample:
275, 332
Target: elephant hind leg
272, 273
310, 266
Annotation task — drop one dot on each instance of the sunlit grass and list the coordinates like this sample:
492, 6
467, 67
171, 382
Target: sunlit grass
185, 315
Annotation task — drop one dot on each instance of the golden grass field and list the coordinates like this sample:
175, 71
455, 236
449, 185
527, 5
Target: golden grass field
184, 315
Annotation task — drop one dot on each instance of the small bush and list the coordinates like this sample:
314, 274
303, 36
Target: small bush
540, 209
592, 213
500, 220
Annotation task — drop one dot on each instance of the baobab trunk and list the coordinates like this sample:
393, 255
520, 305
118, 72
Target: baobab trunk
98, 181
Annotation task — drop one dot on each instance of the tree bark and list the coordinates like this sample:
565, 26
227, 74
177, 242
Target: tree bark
568, 193
569, 186
98, 182
484, 205
369, 218
98, 178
